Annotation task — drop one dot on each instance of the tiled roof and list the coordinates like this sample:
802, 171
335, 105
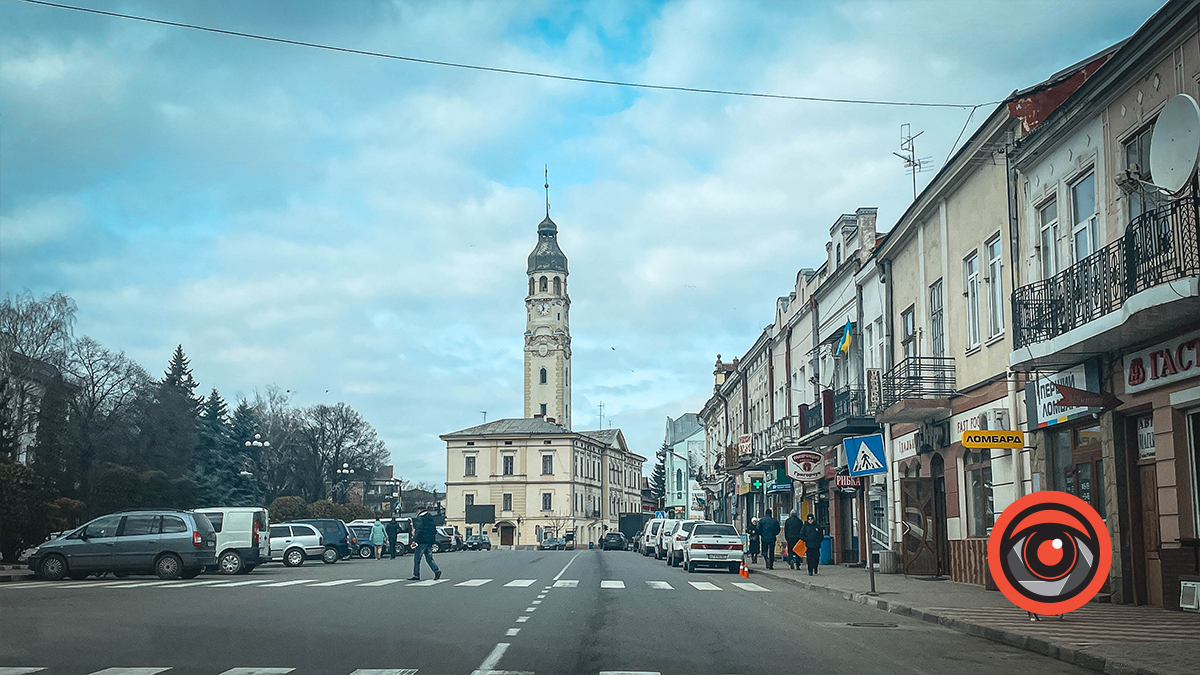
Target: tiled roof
505, 427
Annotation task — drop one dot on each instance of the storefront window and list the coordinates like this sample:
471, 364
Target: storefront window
1059, 456
980, 505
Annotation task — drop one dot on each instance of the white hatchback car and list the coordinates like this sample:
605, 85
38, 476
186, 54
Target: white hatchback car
663, 536
678, 540
650, 535
713, 545
293, 543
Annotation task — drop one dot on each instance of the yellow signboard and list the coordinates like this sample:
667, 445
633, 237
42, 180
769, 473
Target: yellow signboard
999, 439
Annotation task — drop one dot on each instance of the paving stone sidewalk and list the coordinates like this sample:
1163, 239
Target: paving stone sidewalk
1102, 637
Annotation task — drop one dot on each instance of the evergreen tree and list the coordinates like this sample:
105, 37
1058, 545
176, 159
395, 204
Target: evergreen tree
245, 452
178, 378
658, 479
168, 424
213, 472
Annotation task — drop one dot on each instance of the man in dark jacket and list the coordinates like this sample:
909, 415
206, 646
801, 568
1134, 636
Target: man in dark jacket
813, 537
791, 534
425, 534
768, 532
393, 530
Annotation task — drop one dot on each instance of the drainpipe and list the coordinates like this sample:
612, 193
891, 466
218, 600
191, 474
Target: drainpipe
893, 489
1014, 247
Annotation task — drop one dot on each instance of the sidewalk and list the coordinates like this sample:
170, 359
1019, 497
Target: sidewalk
10, 572
1102, 637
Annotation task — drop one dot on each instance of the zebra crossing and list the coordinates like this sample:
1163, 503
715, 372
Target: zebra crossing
343, 584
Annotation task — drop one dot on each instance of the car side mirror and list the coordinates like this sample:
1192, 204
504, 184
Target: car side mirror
83, 535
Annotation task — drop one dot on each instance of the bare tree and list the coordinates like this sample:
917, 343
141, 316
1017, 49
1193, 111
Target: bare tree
557, 523
333, 436
34, 339
282, 426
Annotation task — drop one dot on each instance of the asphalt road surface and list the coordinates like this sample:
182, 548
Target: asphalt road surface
548, 613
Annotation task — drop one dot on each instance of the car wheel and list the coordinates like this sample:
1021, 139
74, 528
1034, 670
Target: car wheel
293, 558
230, 562
365, 551
689, 566
191, 574
52, 568
330, 556
168, 566
437, 548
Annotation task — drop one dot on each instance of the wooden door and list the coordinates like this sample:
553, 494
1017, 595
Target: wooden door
506, 535
919, 525
1150, 534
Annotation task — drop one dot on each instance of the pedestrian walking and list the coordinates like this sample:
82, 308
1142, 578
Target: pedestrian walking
378, 536
424, 534
791, 534
768, 532
813, 537
752, 535
393, 532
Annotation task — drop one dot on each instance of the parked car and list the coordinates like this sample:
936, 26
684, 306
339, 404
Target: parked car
614, 541
553, 544
403, 537
447, 539
242, 537
660, 540
713, 545
364, 548
679, 539
479, 542
293, 543
650, 536
340, 542
636, 543
166, 542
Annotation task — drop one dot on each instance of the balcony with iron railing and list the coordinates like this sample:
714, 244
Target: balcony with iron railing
1150, 273
783, 433
918, 389
837, 415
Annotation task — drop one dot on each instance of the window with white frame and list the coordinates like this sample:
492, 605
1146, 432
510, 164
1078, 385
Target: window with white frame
908, 332
547, 465
937, 327
1048, 243
509, 461
971, 293
547, 501
1084, 233
469, 465
506, 502
470, 499
995, 281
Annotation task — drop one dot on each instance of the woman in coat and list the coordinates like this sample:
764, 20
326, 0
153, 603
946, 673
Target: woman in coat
378, 536
812, 536
752, 533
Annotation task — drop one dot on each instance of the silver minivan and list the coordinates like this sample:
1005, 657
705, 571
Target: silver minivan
293, 543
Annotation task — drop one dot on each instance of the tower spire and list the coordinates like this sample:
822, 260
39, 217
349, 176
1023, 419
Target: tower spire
547, 186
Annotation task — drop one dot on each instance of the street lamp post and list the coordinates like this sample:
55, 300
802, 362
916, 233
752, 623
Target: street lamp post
519, 521
345, 473
258, 442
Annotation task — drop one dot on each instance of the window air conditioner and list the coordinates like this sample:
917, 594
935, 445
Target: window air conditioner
991, 420
1189, 595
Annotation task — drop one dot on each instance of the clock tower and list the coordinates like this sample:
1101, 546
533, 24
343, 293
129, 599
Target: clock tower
547, 329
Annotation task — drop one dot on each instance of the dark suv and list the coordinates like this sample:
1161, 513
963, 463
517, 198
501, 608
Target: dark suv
168, 543
613, 540
340, 542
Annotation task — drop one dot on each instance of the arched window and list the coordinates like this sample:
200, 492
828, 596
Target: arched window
543, 284
542, 377
557, 286
678, 479
531, 285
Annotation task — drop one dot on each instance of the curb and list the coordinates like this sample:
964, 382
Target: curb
1030, 643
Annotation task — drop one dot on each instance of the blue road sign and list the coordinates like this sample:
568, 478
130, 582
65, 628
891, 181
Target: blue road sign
865, 455
660, 514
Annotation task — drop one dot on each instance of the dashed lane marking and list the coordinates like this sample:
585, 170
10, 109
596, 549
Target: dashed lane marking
566, 583
474, 582
531, 609
536, 602
335, 582
19, 671
746, 586
185, 584
385, 671
381, 582
520, 619
520, 583
612, 584
293, 582
704, 586
141, 584
258, 671
660, 585
427, 582
512, 631
130, 671
263, 581
492, 659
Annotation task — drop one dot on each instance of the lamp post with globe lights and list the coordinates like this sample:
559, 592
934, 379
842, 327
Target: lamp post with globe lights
344, 473
245, 472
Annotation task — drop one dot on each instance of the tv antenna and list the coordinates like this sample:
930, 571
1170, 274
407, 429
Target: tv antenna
912, 163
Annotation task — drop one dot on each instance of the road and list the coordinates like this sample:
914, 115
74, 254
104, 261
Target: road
553, 612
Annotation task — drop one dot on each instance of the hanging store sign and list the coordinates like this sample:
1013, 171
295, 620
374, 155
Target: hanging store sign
805, 466
744, 447
1164, 363
996, 440
847, 481
774, 488
1044, 402
1145, 437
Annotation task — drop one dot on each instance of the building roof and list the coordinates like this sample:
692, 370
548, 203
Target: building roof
602, 436
510, 427
546, 255
682, 427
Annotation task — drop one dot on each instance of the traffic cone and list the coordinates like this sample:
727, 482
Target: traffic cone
745, 571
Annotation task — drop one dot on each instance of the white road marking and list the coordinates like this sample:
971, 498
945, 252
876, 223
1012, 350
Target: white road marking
382, 582
385, 671
520, 583
252, 582
185, 584
493, 658
531, 609
512, 631
92, 584
335, 582
704, 586
35, 584
564, 569
19, 671
629, 672
258, 671
536, 602
293, 582
427, 582
129, 671
660, 585
474, 582
142, 584
522, 619
612, 584
567, 583
751, 587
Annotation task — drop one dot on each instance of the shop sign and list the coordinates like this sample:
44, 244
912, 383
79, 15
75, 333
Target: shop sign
1043, 400
1145, 437
874, 389
997, 440
1164, 363
779, 487
744, 447
847, 481
906, 445
805, 465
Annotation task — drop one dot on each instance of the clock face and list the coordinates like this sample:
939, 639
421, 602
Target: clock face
543, 308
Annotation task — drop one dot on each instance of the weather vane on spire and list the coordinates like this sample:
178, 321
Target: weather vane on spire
547, 186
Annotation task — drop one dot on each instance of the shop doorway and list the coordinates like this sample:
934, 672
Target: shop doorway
937, 469
919, 526
848, 530
1143, 503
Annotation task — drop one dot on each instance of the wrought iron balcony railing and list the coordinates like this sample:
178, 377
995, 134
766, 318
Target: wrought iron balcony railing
850, 402
814, 417
1160, 246
919, 377
782, 432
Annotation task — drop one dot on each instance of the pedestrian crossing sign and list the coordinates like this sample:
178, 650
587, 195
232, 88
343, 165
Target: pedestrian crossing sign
865, 455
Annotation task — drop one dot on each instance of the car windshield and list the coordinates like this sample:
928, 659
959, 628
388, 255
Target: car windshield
715, 530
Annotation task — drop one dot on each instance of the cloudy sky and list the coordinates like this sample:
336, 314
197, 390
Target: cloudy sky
355, 229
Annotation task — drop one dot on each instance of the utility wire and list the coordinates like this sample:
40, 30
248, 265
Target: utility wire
507, 71
960, 133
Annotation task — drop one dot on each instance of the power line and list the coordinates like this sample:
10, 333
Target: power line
506, 71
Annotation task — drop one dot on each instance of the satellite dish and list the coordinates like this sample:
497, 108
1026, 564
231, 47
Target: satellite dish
1175, 143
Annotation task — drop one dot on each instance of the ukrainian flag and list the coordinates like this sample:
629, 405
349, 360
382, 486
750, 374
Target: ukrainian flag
844, 343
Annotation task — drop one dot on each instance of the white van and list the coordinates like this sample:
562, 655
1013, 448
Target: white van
650, 536
243, 537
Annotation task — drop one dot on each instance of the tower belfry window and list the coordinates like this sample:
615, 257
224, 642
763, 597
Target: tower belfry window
531, 285
557, 286
543, 284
